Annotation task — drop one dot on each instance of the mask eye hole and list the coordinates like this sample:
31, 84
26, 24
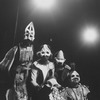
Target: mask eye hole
72, 75
47, 52
77, 75
42, 52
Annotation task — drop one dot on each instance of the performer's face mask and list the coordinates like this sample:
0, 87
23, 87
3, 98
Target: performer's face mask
60, 61
75, 77
60, 57
45, 51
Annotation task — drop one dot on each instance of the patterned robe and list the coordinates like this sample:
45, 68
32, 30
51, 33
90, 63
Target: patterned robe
79, 93
19, 90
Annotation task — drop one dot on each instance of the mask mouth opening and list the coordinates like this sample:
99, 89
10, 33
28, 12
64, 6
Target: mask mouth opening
76, 79
45, 57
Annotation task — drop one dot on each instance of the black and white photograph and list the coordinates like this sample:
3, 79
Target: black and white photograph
49, 49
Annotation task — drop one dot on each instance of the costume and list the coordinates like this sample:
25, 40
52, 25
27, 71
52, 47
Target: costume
75, 90
42, 73
61, 68
19, 89
5, 65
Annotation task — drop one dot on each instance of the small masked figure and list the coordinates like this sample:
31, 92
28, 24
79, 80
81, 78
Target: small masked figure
75, 90
42, 73
61, 68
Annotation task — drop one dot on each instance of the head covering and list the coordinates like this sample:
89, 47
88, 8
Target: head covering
45, 50
29, 32
60, 56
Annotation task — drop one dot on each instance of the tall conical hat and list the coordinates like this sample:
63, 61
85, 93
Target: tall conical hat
60, 55
30, 32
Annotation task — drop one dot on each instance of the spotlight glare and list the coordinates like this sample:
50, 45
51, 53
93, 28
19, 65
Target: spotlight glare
90, 35
44, 4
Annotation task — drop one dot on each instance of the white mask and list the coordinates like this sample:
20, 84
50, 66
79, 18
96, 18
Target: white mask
60, 57
75, 76
45, 51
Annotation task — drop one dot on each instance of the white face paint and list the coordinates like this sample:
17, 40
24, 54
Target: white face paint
60, 57
45, 51
75, 77
29, 32
60, 61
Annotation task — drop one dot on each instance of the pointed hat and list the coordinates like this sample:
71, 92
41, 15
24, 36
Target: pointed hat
30, 32
60, 55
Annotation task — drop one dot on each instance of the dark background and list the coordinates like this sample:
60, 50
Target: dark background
62, 27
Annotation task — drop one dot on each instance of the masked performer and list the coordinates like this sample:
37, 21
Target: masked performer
75, 90
19, 90
42, 73
61, 68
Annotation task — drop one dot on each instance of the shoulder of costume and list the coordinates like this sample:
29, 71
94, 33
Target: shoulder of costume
51, 65
67, 66
35, 63
85, 89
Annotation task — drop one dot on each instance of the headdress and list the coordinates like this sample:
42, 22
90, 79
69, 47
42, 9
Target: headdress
60, 56
29, 32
